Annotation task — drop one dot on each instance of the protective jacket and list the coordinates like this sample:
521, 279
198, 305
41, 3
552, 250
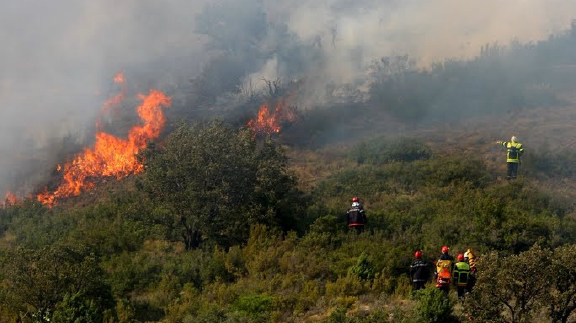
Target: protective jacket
419, 271
356, 216
445, 263
470, 259
514, 151
461, 274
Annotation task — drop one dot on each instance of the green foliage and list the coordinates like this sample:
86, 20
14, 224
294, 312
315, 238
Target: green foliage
434, 306
517, 287
216, 181
77, 309
362, 269
255, 306
339, 316
126, 258
55, 278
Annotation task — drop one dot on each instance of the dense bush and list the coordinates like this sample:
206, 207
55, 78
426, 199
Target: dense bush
434, 306
215, 181
519, 288
135, 267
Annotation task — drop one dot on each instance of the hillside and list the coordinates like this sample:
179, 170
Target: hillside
265, 161
121, 258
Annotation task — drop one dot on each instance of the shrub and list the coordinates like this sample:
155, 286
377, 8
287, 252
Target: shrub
254, 305
362, 269
434, 306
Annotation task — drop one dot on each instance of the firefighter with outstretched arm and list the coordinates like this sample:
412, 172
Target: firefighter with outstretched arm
514, 151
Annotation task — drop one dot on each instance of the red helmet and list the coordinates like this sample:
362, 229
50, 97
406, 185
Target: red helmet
445, 249
460, 257
355, 199
418, 254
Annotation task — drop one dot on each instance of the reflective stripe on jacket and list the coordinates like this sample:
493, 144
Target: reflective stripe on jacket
513, 151
461, 273
356, 216
419, 271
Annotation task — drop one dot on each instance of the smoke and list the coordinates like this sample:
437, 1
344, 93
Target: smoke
57, 64
352, 34
58, 58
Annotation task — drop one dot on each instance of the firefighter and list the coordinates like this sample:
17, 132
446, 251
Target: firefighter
461, 276
419, 271
470, 258
514, 152
356, 216
444, 268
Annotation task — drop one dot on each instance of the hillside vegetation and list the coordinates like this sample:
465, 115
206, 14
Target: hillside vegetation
225, 225
220, 229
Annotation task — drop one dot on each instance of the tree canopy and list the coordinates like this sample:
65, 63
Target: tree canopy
216, 181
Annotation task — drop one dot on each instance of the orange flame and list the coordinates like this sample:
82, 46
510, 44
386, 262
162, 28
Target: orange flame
111, 156
269, 123
113, 103
119, 78
10, 199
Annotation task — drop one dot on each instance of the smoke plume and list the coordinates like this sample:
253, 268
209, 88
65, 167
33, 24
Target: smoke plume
58, 58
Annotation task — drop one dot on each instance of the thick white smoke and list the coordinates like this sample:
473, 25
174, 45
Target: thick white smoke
353, 34
58, 57
57, 62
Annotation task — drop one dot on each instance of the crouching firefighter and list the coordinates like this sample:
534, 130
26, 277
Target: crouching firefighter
461, 276
444, 267
356, 216
419, 271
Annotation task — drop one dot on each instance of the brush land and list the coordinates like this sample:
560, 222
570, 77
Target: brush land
225, 226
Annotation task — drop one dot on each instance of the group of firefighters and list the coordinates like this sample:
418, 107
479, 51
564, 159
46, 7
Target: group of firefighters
462, 272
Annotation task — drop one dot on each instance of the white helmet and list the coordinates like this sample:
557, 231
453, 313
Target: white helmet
513, 139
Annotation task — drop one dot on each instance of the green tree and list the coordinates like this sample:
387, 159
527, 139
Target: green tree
215, 181
36, 281
510, 289
561, 299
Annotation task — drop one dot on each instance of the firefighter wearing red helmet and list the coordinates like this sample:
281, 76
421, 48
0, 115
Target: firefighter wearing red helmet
461, 276
356, 216
444, 268
419, 271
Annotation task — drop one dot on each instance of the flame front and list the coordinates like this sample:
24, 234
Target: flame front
111, 156
269, 123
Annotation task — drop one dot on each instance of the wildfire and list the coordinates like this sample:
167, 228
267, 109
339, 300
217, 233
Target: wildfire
113, 103
10, 199
119, 78
271, 122
111, 156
